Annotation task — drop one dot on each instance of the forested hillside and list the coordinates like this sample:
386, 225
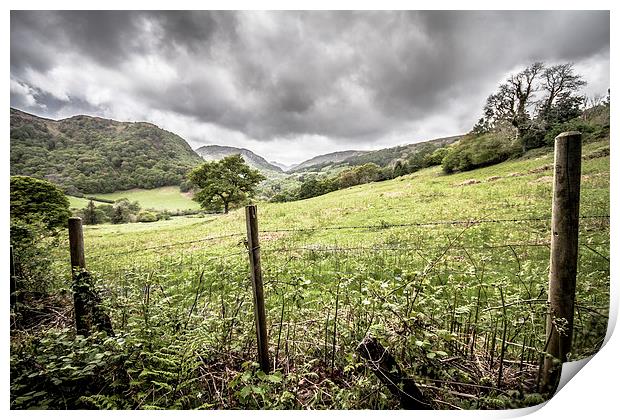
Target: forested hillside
382, 157
94, 155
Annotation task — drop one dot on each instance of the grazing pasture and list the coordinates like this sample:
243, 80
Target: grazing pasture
448, 272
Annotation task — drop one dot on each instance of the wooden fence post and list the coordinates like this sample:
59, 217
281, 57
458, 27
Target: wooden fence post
76, 244
78, 265
257, 287
564, 252
13, 281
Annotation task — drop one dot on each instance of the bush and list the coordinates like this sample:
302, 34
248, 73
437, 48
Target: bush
477, 151
436, 157
146, 217
577, 124
34, 200
38, 210
32, 259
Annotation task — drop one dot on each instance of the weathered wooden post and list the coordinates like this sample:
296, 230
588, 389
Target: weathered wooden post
76, 243
257, 287
564, 249
78, 265
86, 301
387, 369
13, 281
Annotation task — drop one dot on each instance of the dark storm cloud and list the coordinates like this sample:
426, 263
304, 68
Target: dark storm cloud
353, 76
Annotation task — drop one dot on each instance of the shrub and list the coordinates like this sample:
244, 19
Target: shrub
436, 157
577, 124
146, 217
34, 200
478, 151
38, 210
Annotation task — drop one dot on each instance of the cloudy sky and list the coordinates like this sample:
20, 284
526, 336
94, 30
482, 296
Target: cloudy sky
291, 85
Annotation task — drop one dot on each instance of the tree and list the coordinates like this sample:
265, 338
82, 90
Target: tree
559, 84
224, 182
514, 98
516, 102
38, 210
34, 200
123, 210
90, 213
313, 187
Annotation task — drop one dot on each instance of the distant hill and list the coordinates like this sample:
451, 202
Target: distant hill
382, 157
282, 166
86, 154
324, 160
385, 157
215, 152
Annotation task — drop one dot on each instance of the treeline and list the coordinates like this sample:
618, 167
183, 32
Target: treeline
312, 185
86, 155
527, 112
121, 211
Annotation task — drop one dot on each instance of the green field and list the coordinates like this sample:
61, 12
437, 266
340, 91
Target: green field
77, 202
164, 198
448, 271
512, 190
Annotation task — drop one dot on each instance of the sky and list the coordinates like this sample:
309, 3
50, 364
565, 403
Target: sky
292, 85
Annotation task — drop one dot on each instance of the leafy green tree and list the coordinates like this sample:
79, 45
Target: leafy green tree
436, 157
362, 174
90, 213
123, 211
313, 187
34, 200
513, 99
400, 168
38, 210
224, 183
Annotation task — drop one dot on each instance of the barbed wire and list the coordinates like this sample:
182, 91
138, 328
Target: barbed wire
422, 224
197, 264
407, 248
327, 228
169, 245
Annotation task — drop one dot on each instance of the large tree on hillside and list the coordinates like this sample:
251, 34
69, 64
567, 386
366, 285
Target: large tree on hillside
559, 84
223, 183
560, 101
513, 100
533, 99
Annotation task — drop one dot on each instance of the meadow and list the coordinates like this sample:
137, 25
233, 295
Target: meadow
163, 198
448, 271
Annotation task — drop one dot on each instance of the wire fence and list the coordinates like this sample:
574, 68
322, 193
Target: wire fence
434, 293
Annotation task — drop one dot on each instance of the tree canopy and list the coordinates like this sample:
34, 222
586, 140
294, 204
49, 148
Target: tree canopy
88, 155
36, 200
224, 182
532, 100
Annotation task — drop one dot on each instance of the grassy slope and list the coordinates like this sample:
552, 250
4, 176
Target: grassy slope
164, 198
522, 189
376, 284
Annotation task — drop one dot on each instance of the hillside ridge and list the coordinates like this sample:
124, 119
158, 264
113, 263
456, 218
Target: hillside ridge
85, 154
217, 152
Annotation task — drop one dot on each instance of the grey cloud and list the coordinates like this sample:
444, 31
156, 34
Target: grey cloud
354, 76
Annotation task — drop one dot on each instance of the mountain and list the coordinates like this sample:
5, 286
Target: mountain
282, 166
382, 157
215, 152
324, 160
86, 154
